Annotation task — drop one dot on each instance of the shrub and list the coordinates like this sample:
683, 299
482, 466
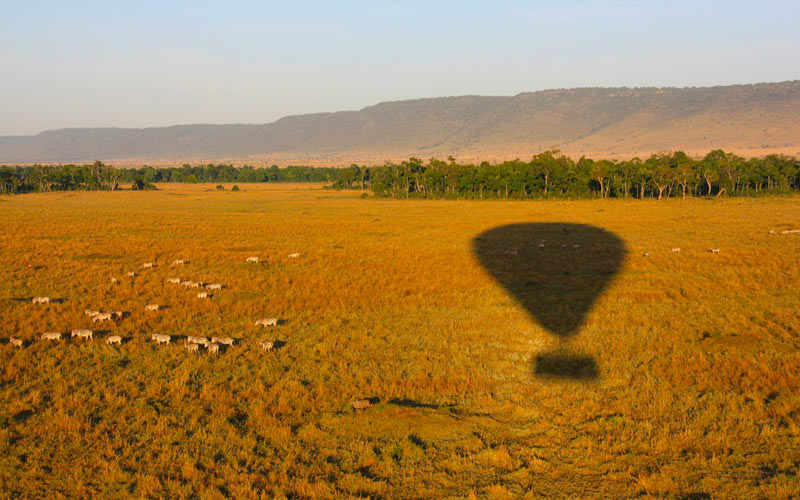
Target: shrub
220, 187
139, 184
235, 188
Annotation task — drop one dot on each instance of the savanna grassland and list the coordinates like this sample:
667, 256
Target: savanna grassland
681, 381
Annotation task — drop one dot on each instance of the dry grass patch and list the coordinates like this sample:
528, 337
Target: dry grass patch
694, 372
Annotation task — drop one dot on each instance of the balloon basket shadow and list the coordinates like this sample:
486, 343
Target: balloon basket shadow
565, 366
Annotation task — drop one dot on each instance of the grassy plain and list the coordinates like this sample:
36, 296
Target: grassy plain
696, 392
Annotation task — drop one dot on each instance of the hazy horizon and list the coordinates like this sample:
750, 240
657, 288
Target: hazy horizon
143, 64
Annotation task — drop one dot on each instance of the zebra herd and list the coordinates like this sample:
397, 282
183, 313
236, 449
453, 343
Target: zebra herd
192, 343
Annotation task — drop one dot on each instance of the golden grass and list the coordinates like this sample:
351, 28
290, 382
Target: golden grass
698, 386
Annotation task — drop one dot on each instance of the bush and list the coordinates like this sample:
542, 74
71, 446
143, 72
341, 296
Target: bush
220, 187
191, 179
140, 184
235, 188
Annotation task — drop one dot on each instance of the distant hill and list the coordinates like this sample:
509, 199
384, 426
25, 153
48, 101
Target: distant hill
751, 120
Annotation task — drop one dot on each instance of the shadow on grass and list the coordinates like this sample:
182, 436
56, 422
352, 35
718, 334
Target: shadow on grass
556, 271
410, 403
56, 300
565, 365
23, 415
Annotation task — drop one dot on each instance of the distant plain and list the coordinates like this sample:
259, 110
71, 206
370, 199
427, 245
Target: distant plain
694, 390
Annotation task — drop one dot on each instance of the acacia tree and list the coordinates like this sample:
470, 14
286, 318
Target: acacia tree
641, 176
346, 176
661, 174
626, 171
41, 178
708, 168
684, 172
546, 164
781, 171
602, 172
9, 182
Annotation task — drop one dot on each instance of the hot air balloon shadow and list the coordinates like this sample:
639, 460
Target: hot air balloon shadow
556, 271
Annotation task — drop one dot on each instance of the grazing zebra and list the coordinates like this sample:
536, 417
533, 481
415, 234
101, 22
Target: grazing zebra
267, 322
114, 280
714, 250
174, 280
178, 262
102, 317
84, 334
131, 274
192, 347
646, 254
41, 300
676, 250
15, 342
213, 348
203, 295
148, 265
91, 313
161, 339
266, 345
251, 259
222, 340
114, 339
294, 255
152, 307
51, 336
214, 286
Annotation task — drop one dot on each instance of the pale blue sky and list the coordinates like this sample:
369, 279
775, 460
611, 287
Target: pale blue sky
142, 63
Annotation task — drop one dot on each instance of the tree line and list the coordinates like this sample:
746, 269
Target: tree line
548, 174
98, 176
551, 174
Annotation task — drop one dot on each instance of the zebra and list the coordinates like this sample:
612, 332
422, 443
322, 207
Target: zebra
267, 322
84, 334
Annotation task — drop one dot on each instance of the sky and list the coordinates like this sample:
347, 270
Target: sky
142, 63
